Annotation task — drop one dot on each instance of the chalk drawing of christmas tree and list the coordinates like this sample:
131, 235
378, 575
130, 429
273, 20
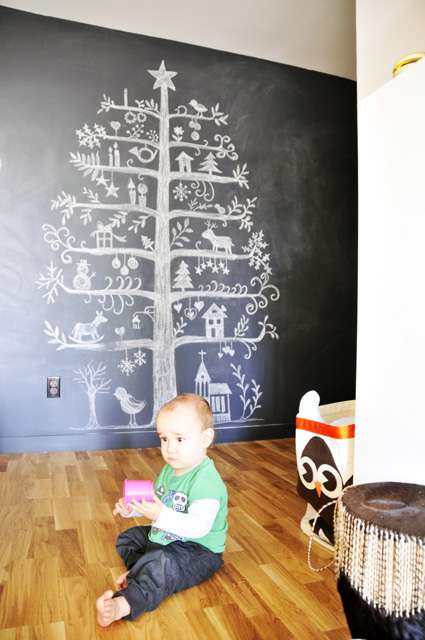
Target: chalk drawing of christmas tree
164, 228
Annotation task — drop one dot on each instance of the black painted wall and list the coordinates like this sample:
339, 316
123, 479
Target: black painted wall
296, 131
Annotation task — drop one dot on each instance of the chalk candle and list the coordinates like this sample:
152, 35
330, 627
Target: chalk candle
137, 490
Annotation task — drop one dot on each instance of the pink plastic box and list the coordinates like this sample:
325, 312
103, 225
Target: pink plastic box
138, 490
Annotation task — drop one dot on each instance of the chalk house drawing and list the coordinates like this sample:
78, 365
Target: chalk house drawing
168, 197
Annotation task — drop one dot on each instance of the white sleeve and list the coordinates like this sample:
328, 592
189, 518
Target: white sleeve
196, 523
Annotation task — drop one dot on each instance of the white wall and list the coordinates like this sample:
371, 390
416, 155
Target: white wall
305, 33
387, 30
391, 319
390, 409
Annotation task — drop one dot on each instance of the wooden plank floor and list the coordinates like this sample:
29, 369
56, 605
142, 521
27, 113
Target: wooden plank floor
57, 551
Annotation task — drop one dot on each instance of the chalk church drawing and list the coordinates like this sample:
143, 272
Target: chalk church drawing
169, 240
217, 393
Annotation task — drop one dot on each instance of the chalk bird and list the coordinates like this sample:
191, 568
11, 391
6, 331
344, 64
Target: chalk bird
199, 108
129, 405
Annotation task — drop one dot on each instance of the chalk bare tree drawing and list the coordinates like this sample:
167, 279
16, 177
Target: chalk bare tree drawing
93, 378
166, 213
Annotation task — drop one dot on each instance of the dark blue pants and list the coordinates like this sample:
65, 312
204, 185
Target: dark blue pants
156, 571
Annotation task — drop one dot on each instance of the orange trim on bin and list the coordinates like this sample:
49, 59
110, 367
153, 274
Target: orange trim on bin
324, 429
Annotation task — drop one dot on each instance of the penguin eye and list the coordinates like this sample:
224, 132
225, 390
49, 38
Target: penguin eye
308, 473
330, 480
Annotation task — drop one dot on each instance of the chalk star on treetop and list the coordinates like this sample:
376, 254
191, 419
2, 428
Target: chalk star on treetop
163, 77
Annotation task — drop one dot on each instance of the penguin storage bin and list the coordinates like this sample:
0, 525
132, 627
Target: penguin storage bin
324, 443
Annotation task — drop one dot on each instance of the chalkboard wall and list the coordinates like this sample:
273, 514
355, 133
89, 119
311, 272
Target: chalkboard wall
172, 219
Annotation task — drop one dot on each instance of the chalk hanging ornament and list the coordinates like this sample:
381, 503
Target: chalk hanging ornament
116, 263
136, 322
228, 348
132, 262
190, 312
199, 304
124, 271
195, 135
142, 190
220, 352
195, 126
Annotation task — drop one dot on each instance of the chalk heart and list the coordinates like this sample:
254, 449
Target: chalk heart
120, 331
178, 307
231, 352
190, 313
220, 354
199, 305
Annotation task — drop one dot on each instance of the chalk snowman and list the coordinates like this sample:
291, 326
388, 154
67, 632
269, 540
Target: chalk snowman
82, 279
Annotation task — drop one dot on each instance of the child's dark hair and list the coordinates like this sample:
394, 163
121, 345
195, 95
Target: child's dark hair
198, 403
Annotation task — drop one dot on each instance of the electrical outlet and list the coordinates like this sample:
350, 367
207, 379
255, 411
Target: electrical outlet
53, 387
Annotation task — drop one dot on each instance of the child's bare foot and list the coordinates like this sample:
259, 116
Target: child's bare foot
122, 580
110, 609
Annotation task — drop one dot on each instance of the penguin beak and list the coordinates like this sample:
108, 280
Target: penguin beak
318, 487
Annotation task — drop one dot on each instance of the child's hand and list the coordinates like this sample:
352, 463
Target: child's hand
150, 510
121, 508
121, 582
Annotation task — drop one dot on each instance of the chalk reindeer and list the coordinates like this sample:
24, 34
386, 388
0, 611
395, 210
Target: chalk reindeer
218, 242
82, 329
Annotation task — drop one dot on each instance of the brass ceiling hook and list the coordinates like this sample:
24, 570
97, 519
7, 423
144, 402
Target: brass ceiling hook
411, 57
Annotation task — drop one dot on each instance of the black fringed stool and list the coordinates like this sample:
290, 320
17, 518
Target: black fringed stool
380, 560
